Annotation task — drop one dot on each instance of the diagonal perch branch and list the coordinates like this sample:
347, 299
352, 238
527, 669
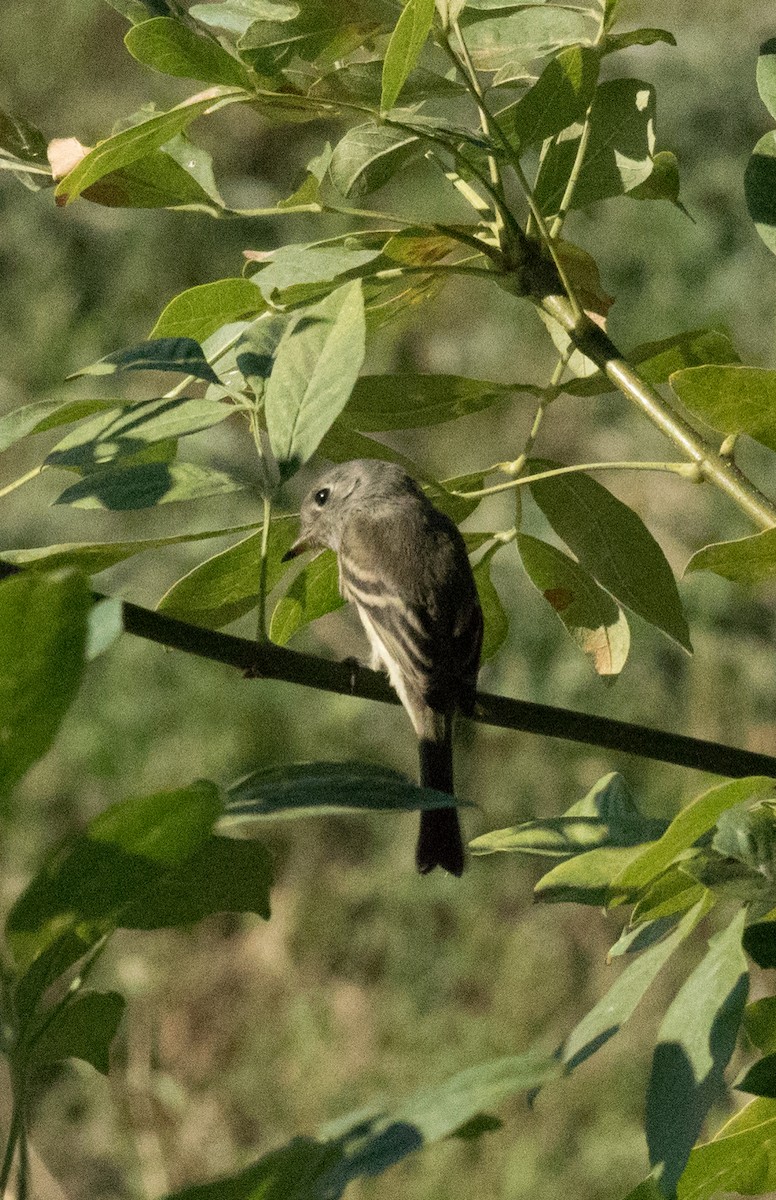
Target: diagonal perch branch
268, 661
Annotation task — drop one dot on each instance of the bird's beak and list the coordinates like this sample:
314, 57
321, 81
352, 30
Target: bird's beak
299, 547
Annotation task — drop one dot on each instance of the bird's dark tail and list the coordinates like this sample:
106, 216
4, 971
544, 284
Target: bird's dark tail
439, 840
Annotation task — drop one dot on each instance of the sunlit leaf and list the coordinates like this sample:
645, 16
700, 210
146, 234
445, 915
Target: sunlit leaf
732, 399
404, 47
659, 360
368, 156
200, 311
181, 355
559, 97
518, 35
139, 140
173, 48
313, 592
46, 414
316, 366
407, 401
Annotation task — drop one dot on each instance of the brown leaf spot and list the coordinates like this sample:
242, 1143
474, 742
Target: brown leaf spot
559, 598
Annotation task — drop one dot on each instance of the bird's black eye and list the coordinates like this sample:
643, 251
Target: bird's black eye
322, 496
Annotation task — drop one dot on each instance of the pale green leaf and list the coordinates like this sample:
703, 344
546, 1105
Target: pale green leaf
313, 592
368, 156
144, 486
180, 355
173, 48
732, 399
747, 560
46, 414
198, 312
317, 364
559, 97
404, 47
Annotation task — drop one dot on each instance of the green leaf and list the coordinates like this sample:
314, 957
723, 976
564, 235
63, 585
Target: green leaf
606, 816
695, 1043
596, 623
662, 183
173, 48
162, 179
181, 355
366, 1143
368, 156
760, 1024
408, 401
672, 892
235, 16
146, 485
760, 1078
93, 557
637, 37
560, 96
614, 545
46, 414
322, 30
766, 75
200, 311
748, 835
519, 35
316, 366
226, 586
342, 443
43, 623
657, 361
493, 612
313, 592
587, 878
619, 150
128, 430
732, 399
223, 875
404, 47
84, 1029
740, 1158
745, 560
140, 140
23, 151
699, 816
293, 265
323, 788
90, 880
363, 82
618, 1005
760, 188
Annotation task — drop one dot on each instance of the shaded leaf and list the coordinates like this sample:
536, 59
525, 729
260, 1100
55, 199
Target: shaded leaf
363, 82
128, 430
200, 311
46, 414
760, 1078
637, 37
587, 878
766, 75
84, 1029
404, 47
161, 180
672, 892
493, 612
322, 788
760, 188
23, 151
144, 486
226, 586
695, 1043
746, 560
596, 623
409, 401
614, 545
93, 557
760, 1024
313, 592
317, 363
293, 265
697, 818
173, 48
43, 624
618, 1005
89, 881
619, 151
516, 36
368, 156
139, 140
181, 355
732, 399
560, 96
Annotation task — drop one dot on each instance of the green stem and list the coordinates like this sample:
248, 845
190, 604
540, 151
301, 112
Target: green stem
686, 470
10, 1150
261, 633
472, 78
17, 483
187, 382
710, 464
553, 391
431, 269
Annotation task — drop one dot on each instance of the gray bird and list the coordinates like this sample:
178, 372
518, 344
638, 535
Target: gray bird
404, 565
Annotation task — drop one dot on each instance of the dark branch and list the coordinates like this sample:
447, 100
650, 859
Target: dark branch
268, 661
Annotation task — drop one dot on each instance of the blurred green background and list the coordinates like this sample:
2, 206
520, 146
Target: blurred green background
369, 980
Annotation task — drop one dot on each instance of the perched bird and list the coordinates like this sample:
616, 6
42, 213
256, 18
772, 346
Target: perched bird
404, 565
